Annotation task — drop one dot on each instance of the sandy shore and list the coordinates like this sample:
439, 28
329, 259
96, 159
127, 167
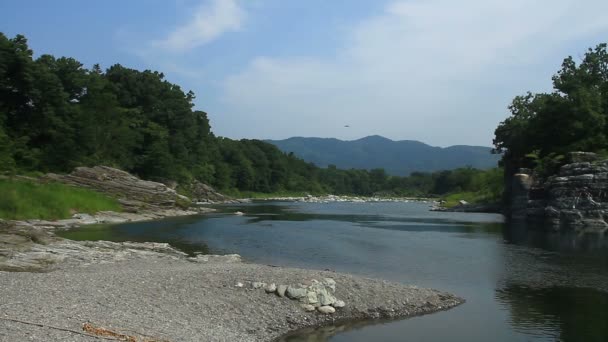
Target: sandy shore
171, 299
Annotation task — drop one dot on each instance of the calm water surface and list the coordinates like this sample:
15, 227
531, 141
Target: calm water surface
519, 286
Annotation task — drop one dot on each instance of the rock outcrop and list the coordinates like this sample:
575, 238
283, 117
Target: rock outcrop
203, 193
574, 199
132, 192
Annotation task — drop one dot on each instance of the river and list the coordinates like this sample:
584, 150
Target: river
519, 285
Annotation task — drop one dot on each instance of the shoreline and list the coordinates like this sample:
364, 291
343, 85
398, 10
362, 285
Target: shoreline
344, 199
64, 284
174, 299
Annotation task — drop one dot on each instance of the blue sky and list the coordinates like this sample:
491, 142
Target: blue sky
439, 71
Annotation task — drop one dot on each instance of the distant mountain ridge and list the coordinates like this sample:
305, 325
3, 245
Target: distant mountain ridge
396, 157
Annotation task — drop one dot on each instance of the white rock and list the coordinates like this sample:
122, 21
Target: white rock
308, 307
281, 290
328, 282
339, 304
296, 292
257, 285
326, 309
239, 284
270, 288
325, 298
311, 297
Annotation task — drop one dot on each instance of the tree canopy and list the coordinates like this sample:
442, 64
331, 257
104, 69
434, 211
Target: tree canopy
574, 117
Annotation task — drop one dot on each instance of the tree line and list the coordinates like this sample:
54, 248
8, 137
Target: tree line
55, 115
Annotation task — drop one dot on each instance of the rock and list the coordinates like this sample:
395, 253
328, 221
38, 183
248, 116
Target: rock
338, 304
239, 284
579, 157
133, 192
270, 288
308, 307
204, 193
326, 309
573, 199
325, 298
281, 290
257, 285
296, 292
329, 282
311, 297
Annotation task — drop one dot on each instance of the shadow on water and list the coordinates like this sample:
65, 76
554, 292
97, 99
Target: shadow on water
165, 231
574, 314
325, 333
562, 242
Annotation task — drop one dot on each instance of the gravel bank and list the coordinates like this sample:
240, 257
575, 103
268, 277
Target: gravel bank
171, 299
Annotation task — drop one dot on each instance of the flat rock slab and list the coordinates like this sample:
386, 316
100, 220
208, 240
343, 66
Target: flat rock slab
177, 300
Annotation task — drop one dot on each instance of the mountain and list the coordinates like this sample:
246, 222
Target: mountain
396, 157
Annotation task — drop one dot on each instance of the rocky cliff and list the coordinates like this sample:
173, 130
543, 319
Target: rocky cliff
576, 198
134, 193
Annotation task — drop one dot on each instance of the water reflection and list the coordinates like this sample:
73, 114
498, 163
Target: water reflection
325, 333
150, 231
566, 314
563, 242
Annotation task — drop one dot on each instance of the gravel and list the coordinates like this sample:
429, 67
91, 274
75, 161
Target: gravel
171, 299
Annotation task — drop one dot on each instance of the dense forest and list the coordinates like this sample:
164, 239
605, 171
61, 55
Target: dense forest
543, 127
55, 115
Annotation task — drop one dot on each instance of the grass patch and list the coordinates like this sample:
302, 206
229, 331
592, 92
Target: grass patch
453, 199
21, 199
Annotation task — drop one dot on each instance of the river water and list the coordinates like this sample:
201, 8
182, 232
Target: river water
519, 285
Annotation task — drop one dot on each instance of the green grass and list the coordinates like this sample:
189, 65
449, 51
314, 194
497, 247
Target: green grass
21, 199
451, 200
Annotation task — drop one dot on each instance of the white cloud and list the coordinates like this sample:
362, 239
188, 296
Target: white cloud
209, 21
436, 70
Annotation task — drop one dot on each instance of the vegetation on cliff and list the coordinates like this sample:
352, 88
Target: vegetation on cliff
544, 127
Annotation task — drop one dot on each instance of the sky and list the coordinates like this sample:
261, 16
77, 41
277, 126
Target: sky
439, 71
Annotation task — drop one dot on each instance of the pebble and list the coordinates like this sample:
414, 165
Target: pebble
257, 285
326, 309
308, 307
339, 304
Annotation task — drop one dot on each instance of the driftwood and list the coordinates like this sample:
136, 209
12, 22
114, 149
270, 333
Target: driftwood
90, 330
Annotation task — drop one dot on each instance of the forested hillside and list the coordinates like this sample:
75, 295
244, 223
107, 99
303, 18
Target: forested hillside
398, 158
55, 114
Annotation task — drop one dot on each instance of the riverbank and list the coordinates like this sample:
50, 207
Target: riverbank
342, 198
199, 299
152, 289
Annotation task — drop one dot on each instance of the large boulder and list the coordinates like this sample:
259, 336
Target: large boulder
133, 193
